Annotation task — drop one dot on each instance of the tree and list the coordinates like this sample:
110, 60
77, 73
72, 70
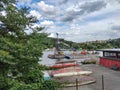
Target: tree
19, 51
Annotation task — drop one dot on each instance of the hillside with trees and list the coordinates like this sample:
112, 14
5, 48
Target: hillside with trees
92, 45
100, 44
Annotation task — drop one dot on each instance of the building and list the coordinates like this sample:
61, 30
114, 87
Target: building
110, 58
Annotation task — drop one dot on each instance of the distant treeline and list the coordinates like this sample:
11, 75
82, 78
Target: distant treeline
91, 45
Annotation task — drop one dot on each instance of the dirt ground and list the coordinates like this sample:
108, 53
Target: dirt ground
111, 78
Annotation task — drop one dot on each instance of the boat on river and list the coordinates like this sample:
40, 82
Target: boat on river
58, 54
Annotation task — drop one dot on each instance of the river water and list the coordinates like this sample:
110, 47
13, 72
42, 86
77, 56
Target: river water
47, 61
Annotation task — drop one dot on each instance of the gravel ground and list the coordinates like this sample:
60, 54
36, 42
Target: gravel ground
111, 78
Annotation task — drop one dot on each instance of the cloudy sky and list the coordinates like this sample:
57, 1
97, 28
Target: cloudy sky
77, 20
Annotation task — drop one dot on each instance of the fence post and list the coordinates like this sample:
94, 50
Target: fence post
76, 84
102, 82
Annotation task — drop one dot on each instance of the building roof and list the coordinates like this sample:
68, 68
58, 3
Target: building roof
110, 50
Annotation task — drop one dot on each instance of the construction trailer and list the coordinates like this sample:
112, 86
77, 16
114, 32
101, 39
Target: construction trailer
111, 58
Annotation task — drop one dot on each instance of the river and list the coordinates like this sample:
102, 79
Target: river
47, 61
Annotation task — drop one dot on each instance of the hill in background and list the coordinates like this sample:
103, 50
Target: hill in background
91, 45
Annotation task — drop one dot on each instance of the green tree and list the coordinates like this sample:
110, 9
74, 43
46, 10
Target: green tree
19, 51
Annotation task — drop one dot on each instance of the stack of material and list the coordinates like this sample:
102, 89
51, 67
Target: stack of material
71, 71
63, 65
67, 73
65, 70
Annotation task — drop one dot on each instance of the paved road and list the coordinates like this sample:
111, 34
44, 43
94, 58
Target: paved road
111, 78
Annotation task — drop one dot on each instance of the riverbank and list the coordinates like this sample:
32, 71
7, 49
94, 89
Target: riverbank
111, 78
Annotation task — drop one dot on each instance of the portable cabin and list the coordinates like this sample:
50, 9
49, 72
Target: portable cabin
110, 58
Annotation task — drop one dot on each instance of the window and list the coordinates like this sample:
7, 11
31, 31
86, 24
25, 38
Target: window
106, 53
118, 55
110, 54
113, 54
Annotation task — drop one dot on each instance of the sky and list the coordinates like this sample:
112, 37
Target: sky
77, 20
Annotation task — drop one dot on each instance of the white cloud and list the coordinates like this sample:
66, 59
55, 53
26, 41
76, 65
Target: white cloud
36, 25
24, 2
0, 22
94, 30
46, 9
79, 20
47, 23
113, 1
3, 13
76, 11
52, 35
36, 14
